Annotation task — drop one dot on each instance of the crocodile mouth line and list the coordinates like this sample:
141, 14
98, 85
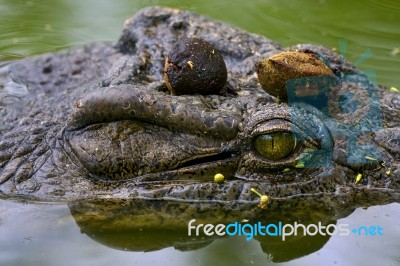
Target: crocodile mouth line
207, 159
198, 170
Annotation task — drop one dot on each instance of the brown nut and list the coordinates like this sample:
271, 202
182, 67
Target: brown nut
194, 66
275, 71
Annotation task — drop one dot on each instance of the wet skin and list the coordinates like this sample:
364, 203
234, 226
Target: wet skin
99, 123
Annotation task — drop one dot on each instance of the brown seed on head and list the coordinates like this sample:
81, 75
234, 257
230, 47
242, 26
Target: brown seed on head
194, 66
275, 71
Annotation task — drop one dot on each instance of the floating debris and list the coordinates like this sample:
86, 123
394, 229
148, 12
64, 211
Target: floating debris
388, 171
219, 178
263, 199
370, 158
190, 64
274, 72
395, 51
286, 170
194, 66
358, 178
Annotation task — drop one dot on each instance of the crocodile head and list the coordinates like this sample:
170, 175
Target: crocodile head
99, 123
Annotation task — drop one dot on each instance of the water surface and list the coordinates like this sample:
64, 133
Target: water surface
371, 27
47, 234
366, 32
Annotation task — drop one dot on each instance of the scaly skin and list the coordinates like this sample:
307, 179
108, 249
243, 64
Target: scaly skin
98, 123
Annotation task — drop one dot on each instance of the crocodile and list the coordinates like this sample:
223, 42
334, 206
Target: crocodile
98, 123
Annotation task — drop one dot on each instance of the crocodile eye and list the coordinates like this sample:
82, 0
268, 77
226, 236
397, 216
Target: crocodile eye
275, 146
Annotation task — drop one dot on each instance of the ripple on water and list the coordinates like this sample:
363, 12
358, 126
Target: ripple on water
377, 5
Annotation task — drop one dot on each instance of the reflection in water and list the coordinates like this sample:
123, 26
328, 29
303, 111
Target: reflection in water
142, 225
46, 234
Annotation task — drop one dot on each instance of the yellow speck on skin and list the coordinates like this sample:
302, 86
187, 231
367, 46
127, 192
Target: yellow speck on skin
358, 178
370, 158
256, 192
389, 171
219, 178
394, 89
264, 199
79, 104
263, 202
190, 64
97, 149
299, 165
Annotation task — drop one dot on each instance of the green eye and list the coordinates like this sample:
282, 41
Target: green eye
275, 146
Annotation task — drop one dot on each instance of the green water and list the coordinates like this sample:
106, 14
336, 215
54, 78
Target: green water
47, 234
32, 27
